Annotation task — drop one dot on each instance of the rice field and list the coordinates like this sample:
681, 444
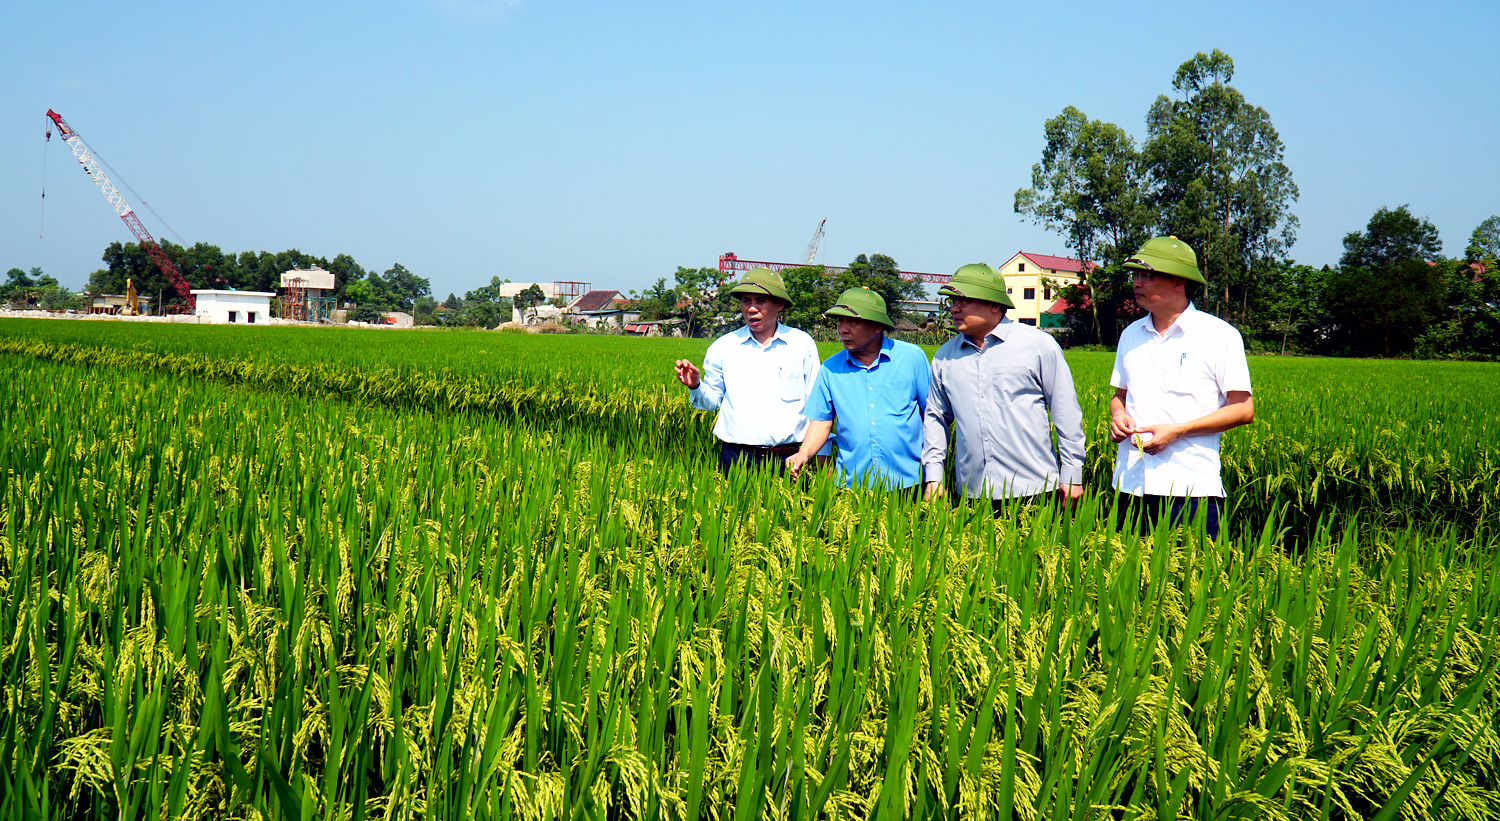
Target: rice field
451, 575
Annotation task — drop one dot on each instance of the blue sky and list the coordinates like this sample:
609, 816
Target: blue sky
612, 142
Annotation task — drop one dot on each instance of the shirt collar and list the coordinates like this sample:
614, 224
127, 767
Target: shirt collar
886, 345
1185, 322
1000, 332
749, 338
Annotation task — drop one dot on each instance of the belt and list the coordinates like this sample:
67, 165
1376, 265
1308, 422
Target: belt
762, 450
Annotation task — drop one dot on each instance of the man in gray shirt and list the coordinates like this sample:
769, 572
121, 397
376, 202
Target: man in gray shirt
996, 382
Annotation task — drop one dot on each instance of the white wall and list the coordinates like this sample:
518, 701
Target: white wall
234, 307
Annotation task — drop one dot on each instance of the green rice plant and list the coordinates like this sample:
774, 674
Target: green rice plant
237, 603
1419, 448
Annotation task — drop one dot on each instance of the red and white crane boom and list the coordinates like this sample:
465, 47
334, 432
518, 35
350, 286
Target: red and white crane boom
117, 200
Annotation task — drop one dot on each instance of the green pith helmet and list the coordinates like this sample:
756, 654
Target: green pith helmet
1167, 255
861, 303
762, 281
978, 281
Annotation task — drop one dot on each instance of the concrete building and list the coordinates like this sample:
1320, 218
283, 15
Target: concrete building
307, 295
509, 290
233, 307
597, 308
116, 303
1033, 280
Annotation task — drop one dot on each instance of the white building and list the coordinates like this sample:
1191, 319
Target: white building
233, 307
510, 290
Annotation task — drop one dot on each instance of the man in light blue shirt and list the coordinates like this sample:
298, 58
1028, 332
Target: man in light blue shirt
874, 391
757, 377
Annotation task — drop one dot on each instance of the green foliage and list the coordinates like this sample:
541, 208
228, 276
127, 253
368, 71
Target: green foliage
701, 299
1218, 179
206, 266
1381, 312
1090, 187
1484, 243
531, 297
483, 307
813, 291
657, 302
1390, 238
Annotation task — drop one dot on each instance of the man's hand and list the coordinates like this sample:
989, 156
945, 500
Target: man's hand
1121, 424
1120, 427
932, 491
794, 464
1069, 494
687, 374
1161, 435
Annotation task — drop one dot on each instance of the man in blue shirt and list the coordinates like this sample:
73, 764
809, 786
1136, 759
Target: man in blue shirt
875, 391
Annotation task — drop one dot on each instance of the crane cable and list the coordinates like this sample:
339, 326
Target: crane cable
43, 228
115, 175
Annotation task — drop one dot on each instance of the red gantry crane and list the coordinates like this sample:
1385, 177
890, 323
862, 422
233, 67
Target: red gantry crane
116, 199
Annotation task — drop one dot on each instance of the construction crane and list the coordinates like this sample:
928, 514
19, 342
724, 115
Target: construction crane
117, 200
812, 247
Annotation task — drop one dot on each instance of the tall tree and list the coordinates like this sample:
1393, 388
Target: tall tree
1090, 187
1484, 243
1391, 236
16, 278
404, 287
701, 298
657, 302
1388, 288
1218, 180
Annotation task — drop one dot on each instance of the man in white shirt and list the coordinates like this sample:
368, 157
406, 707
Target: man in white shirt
1180, 380
757, 377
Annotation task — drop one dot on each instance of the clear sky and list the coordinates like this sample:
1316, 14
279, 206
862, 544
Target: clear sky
612, 142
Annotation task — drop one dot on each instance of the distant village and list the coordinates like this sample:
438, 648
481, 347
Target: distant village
307, 296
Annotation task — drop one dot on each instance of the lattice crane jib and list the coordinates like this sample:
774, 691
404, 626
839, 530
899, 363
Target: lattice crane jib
117, 201
812, 247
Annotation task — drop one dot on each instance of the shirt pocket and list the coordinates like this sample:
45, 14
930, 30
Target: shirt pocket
1012, 384
790, 387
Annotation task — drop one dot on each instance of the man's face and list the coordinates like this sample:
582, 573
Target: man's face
856, 333
973, 317
760, 311
1153, 291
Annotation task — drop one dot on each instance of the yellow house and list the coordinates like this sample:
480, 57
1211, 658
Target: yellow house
1033, 280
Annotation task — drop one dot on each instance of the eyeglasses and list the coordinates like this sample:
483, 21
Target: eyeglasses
960, 301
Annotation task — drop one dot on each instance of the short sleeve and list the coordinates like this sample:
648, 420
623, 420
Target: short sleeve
819, 404
1236, 372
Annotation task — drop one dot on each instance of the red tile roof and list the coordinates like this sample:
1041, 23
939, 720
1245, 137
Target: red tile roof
1052, 263
598, 301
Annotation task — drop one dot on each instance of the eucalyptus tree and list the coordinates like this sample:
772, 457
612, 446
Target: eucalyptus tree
1217, 177
1484, 243
1090, 187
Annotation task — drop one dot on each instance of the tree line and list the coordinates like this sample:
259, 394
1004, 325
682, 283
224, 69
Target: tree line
1211, 172
700, 297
